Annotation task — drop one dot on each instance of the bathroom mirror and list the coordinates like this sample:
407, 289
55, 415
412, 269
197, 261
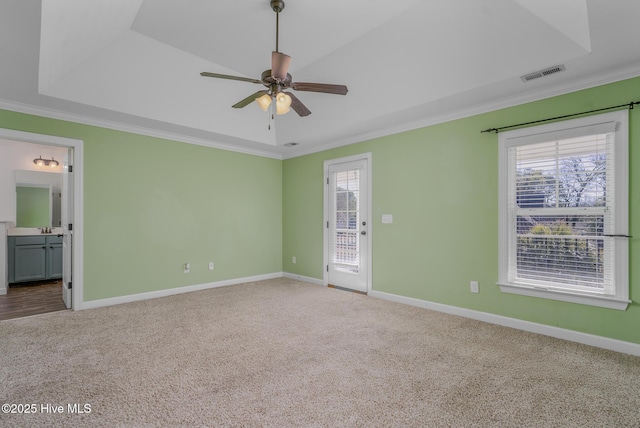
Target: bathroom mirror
33, 205
38, 199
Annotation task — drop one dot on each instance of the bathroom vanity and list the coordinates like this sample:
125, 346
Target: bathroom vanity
34, 256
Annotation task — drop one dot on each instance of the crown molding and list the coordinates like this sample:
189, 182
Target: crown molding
506, 102
520, 99
118, 126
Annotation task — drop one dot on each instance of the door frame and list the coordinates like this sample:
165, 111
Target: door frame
78, 204
325, 236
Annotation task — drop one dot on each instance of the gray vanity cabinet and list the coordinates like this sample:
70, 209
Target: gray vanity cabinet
34, 258
54, 257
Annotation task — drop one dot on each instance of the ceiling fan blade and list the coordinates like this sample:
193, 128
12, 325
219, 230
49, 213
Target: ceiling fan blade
279, 65
226, 76
320, 87
251, 98
297, 105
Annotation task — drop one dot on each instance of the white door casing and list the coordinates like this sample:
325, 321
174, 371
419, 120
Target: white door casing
77, 189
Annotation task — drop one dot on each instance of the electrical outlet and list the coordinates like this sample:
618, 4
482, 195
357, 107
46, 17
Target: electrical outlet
187, 267
210, 265
293, 260
474, 287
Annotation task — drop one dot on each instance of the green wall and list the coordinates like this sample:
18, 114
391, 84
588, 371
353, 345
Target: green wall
151, 205
440, 183
32, 207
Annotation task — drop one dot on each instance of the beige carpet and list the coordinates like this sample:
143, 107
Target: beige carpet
283, 353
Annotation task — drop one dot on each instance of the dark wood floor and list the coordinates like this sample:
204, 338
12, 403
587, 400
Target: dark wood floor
31, 299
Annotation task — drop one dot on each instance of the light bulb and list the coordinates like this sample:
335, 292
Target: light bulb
39, 162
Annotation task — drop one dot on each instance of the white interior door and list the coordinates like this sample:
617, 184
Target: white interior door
347, 223
66, 216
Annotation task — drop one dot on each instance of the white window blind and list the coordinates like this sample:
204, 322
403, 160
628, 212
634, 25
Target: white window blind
561, 211
344, 225
563, 200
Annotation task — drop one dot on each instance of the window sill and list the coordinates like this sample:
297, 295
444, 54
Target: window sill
582, 299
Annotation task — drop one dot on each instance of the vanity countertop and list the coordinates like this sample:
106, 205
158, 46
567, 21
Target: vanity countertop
31, 231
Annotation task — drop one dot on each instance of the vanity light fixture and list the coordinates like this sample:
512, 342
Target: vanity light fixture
46, 162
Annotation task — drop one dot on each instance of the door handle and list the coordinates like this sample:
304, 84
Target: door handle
364, 232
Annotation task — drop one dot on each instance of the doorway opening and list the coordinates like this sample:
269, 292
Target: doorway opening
54, 279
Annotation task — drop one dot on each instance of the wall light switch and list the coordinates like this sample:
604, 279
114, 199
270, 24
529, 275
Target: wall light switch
293, 260
387, 218
210, 265
187, 267
474, 287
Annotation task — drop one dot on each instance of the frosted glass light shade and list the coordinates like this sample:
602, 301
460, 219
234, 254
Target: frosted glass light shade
264, 101
283, 103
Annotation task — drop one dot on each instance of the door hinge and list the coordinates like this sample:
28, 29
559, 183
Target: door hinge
327, 181
327, 225
70, 226
70, 168
69, 285
327, 268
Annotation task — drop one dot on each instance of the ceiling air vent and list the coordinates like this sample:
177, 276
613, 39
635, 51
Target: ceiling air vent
542, 73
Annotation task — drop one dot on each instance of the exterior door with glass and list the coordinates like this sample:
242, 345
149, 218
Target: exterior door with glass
347, 223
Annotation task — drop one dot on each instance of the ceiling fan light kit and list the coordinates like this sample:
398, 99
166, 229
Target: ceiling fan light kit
277, 80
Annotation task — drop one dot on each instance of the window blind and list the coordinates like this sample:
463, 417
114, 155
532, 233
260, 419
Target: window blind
561, 205
344, 223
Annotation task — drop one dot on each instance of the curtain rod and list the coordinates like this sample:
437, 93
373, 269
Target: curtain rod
501, 128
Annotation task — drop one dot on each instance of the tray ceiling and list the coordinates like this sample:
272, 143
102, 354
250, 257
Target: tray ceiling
407, 63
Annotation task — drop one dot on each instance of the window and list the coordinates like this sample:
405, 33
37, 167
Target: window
563, 211
345, 234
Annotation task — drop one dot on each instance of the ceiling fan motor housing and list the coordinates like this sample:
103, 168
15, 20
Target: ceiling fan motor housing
268, 80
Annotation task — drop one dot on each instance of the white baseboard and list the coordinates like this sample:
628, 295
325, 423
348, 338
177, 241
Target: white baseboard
557, 332
172, 291
3, 290
303, 278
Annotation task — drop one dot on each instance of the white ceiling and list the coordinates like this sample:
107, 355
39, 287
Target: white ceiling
135, 64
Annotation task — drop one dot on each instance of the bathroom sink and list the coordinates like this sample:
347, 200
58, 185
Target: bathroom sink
29, 231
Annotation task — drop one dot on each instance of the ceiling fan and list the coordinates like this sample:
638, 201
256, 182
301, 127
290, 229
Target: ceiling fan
278, 80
